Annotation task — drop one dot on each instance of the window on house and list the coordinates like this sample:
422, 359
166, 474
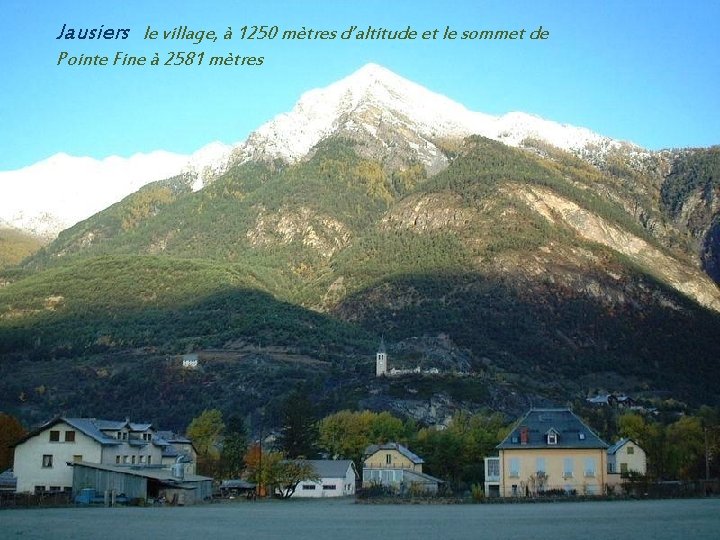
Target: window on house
133, 460
329, 487
308, 487
589, 467
514, 490
630, 449
493, 467
581, 436
623, 468
552, 438
514, 467
69, 436
55, 488
124, 436
47, 460
39, 490
54, 436
388, 459
125, 459
117, 460
77, 458
149, 460
568, 466
540, 465
142, 459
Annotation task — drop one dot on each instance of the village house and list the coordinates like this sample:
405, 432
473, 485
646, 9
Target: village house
623, 458
394, 466
337, 478
548, 449
42, 457
190, 361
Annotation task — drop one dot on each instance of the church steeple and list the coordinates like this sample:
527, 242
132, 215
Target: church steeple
381, 359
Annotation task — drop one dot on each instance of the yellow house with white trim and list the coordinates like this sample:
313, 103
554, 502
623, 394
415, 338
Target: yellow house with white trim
548, 449
394, 466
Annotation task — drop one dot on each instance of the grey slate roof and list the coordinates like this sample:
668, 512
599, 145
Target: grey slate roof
619, 444
571, 431
329, 468
93, 428
423, 478
373, 448
88, 426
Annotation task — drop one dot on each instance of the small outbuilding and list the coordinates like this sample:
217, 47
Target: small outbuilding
337, 478
144, 483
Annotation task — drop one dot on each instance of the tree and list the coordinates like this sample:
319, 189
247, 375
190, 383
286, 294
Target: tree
205, 431
289, 473
234, 448
11, 431
260, 466
298, 434
346, 433
686, 454
633, 426
457, 452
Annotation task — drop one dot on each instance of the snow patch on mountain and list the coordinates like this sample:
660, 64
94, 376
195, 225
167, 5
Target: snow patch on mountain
321, 112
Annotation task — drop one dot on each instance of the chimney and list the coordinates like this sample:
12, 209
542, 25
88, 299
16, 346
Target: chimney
524, 435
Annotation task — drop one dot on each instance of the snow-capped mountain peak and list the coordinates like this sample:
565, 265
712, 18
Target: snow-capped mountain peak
374, 96
373, 104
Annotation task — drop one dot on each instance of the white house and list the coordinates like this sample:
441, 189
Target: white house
190, 361
42, 456
626, 456
337, 479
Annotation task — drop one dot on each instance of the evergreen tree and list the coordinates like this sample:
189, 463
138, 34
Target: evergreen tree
299, 431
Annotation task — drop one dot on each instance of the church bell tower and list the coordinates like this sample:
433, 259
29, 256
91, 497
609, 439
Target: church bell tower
381, 359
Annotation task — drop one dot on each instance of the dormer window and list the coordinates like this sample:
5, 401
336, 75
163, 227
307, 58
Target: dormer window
552, 437
581, 436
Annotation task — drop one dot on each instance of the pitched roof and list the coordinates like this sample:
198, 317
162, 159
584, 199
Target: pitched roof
423, 478
93, 428
157, 473
332, 468
619, 444
373, 448
532, 429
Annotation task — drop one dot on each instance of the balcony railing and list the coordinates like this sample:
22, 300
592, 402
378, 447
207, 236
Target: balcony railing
389, 466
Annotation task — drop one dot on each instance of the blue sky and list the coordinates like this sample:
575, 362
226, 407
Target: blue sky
644, 71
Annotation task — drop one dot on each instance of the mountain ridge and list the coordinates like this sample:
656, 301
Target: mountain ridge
44, 207
544, 274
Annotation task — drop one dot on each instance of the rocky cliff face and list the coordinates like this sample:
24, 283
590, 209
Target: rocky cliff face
691, 196
534, 263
